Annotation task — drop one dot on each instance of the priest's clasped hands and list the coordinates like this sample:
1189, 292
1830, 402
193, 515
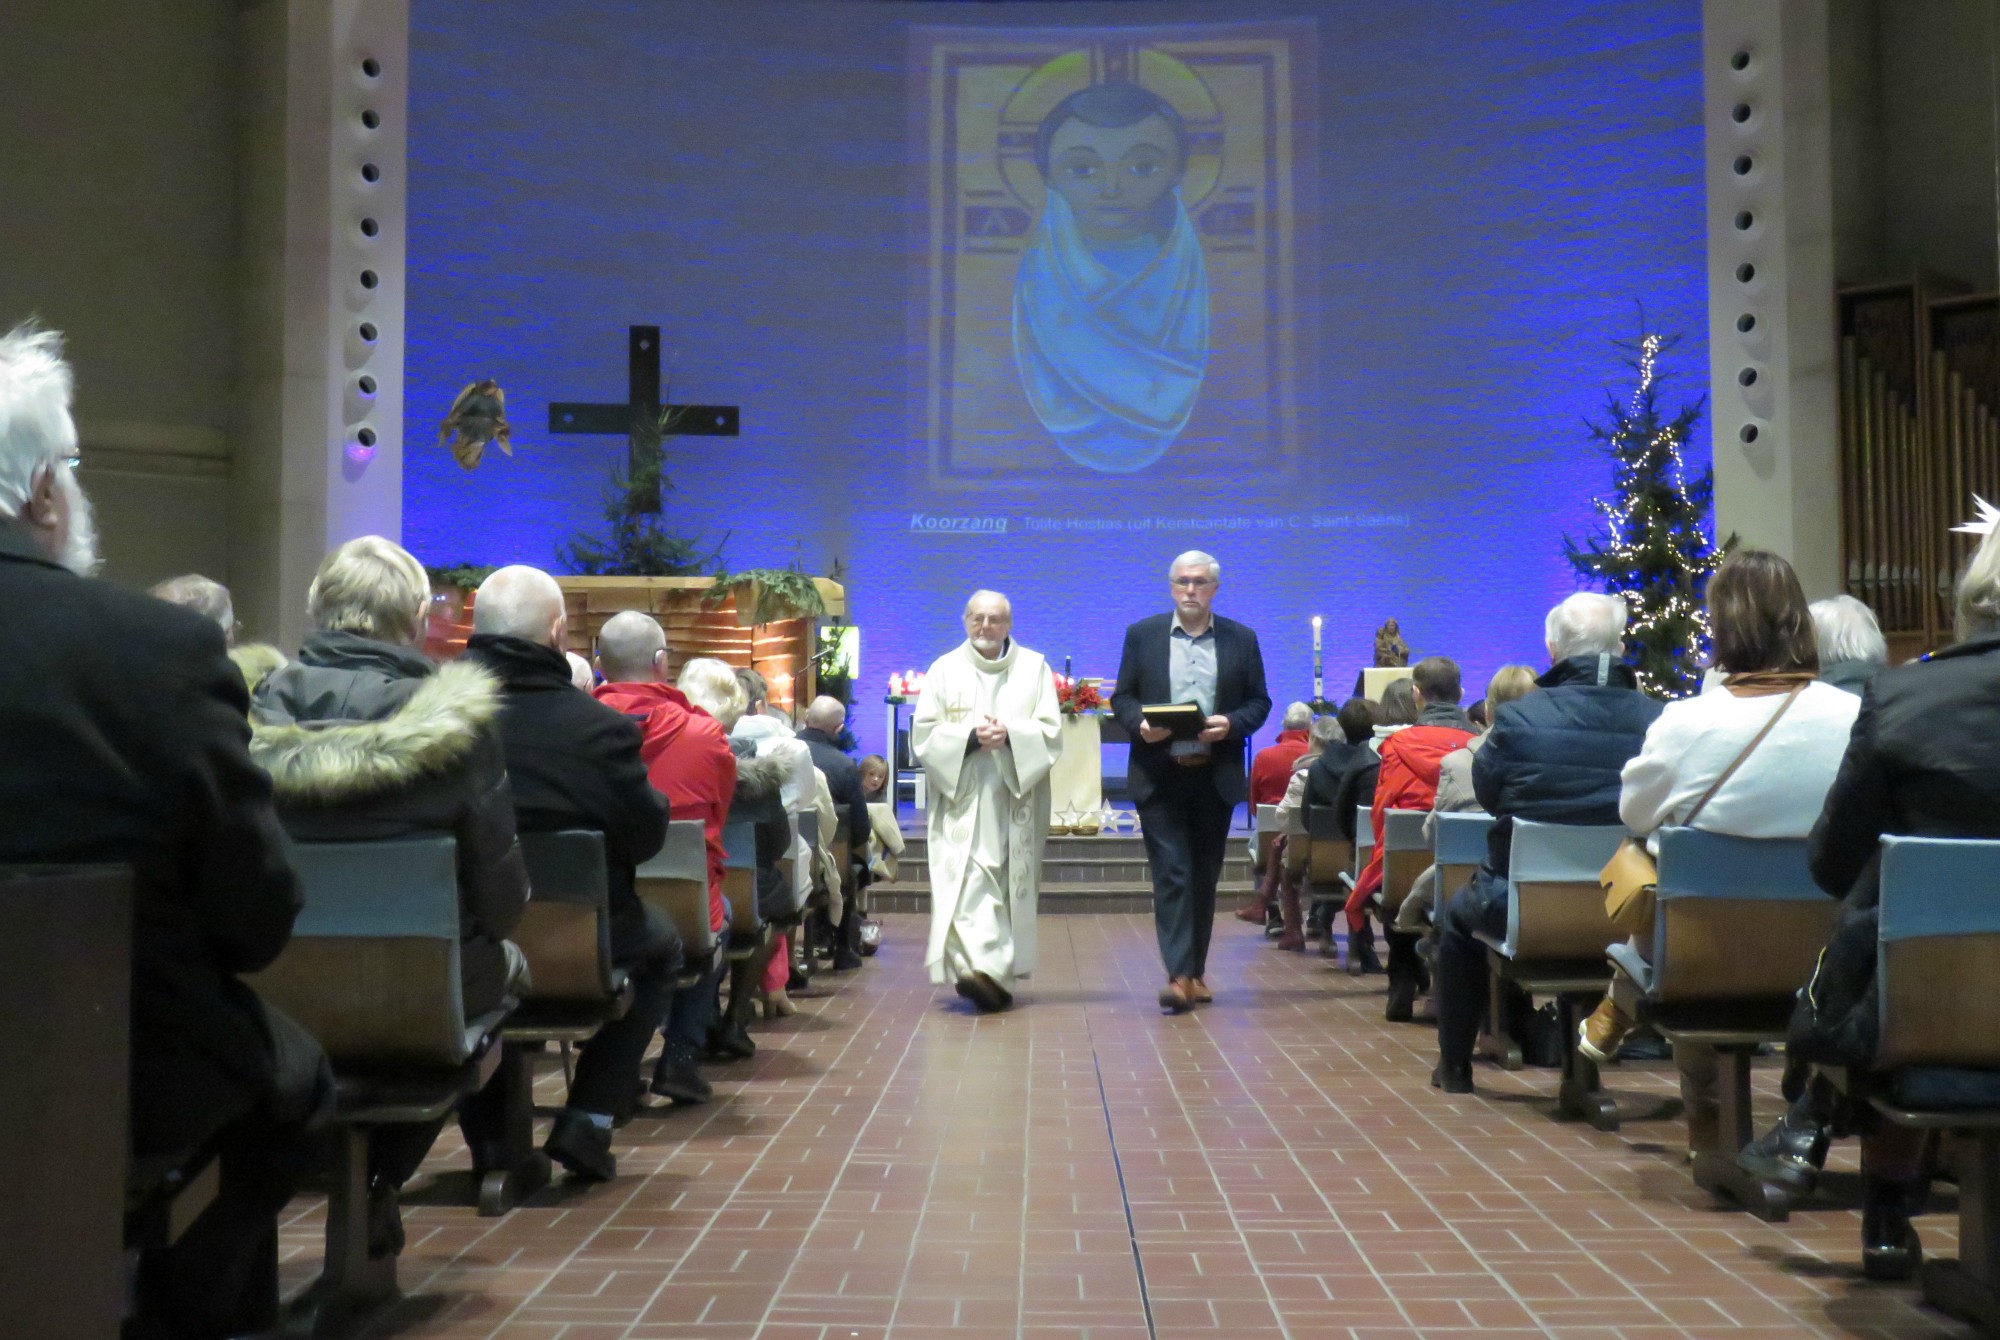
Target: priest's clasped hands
990, 734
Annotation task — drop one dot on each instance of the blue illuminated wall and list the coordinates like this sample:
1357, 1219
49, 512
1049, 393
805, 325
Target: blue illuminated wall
1490, 190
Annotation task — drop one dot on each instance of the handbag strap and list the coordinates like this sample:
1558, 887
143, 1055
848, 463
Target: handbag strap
1743, 757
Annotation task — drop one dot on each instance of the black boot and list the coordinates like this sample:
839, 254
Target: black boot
1792, 1153
1403, 969
1452, 1078
1889, 1246
847, 941
1361, 951
582, 1147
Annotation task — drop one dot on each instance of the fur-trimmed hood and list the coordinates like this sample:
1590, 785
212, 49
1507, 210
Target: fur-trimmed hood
758, 780
331, 762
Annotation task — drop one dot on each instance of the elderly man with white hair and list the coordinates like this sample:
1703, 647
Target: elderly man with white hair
576, 763
826, 721
126, 744
987, 731
1555, 757
1852, 650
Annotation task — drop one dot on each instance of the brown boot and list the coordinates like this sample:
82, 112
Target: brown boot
1293, 937
1255, 911
1599, 1035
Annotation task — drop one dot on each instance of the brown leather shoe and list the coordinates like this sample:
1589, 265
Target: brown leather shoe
1198, 991
1177, 996
1255, 911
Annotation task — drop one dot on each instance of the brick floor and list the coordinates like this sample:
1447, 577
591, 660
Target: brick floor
1084, 1169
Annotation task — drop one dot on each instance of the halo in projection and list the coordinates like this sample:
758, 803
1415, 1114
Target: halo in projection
1108, 279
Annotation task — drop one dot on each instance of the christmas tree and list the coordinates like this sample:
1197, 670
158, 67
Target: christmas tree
1656, 550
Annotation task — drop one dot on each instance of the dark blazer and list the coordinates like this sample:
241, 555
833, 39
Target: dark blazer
1923, 761
127, 740
1145, 676
575, 763
843, 783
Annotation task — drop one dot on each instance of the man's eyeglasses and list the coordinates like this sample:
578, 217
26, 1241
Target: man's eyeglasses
1192, 583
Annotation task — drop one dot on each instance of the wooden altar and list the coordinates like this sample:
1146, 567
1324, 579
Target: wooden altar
781, 650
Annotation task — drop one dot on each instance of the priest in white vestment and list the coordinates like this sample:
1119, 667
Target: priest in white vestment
986, 731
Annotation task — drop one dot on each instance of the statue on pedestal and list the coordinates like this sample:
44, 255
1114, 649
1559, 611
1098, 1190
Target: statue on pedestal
1390, 649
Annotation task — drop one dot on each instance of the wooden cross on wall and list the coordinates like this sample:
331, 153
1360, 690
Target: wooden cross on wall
641, 411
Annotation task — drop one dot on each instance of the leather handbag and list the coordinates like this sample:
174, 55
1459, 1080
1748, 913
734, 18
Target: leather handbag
1631, 875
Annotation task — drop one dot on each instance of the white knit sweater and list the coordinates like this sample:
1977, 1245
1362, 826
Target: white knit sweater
1778, 791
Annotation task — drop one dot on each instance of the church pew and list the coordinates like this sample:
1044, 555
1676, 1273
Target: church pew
746, 929
1328, 854
675, 880
1938, 1059
1737, 926
65, 987
1554, 946
372, 971
574, 990
1406, 854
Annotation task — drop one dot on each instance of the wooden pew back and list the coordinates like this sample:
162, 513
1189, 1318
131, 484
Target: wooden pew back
1938, 953
1735, 919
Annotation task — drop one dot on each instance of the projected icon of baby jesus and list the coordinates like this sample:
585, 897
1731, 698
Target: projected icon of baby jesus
1111, 302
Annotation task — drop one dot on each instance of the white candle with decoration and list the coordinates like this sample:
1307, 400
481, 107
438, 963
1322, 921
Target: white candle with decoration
1317, 682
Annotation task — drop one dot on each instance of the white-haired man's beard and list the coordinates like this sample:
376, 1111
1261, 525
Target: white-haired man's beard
78, 550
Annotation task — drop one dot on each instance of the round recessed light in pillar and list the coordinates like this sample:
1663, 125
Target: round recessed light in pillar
370, 173
366, 437
1746, 323
1747, 433
371, 68
1747, 377
1740, 113
371, 119
1744, 220
1745, 272
1743, 164
366, 385
369, 227
1740, 61
367, 332
369, 279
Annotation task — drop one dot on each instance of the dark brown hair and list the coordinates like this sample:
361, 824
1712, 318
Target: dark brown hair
1761, 618
1438, 679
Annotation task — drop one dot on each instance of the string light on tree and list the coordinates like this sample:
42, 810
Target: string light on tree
1656, 550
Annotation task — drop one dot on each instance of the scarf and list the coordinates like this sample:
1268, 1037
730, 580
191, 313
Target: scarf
1766, 683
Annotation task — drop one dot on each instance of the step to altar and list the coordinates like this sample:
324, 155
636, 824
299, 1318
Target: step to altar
1106, 873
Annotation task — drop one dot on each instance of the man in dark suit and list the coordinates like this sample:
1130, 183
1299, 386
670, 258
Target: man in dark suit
127, 741
1186, 790
826, 718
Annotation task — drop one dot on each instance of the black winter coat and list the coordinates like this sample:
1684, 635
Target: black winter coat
1328, 772
575, 763
843, 783
367, 741
123, 739
1557, 757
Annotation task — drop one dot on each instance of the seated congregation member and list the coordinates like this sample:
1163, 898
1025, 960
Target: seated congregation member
1455, 795
1407, 780
826, 721
575, 764
756, 798
211, 600
1852, 650
1341, 754
1395, 713
1923, 761
1270, 775
126, 743
365, 739
580, 674
874, 779
1325, 732
1556, 757
1752, 759
770, 733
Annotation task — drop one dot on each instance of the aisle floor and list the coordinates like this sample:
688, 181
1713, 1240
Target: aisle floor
1275, 1165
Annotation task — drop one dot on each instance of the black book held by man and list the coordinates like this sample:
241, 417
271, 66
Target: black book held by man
1183, 720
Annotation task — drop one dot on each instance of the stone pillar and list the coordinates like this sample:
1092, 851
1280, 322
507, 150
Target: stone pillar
1772, 320
318, 447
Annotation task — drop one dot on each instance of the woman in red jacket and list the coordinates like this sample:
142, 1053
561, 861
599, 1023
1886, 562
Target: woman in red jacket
1408, 781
